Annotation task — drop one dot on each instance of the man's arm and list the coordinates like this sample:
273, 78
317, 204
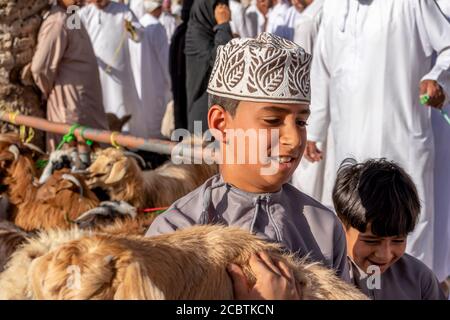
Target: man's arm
434, 31
320, 110
134, 29
222, 29
52, 44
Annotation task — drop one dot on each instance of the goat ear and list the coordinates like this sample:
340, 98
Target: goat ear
118, 172
136, 285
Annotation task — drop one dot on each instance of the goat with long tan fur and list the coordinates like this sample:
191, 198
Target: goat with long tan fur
124, 180
62, 198
186, 264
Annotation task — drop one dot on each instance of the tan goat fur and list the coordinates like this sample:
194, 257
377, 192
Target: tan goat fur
124, 180
186, 264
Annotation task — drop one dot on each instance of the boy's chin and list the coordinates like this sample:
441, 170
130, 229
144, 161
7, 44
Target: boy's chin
274, 183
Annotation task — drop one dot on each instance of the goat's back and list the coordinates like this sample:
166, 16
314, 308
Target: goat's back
187, 264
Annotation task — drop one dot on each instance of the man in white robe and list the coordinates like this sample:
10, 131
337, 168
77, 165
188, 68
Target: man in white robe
110, 25
277, 16
307, 25
285, 28
370, 60
151, 71
255, 18
237, 18
316, 179
168, 20
137, 6
441, 129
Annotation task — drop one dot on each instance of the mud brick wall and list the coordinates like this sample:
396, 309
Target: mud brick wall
19, 25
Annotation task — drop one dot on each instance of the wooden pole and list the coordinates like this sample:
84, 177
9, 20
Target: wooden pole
102, 136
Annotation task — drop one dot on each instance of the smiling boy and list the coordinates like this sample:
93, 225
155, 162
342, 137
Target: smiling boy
378, 205
261, 85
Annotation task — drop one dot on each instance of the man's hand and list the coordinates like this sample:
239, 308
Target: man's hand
312, 153
26, 76
274, 280
222, 13
434, 91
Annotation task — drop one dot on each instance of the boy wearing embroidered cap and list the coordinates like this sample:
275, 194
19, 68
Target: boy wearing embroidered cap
261, 85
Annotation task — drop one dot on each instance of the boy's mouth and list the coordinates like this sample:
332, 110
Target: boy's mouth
378, 264
283, 159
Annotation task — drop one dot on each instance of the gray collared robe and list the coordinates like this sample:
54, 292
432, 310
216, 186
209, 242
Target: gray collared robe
406, 279
301, 224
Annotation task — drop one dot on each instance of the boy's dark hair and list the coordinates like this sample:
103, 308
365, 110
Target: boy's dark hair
378, 192
228, 104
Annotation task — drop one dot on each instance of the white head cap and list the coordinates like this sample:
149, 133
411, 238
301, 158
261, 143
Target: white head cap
265, 69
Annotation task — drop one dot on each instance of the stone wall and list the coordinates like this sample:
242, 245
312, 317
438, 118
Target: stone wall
19, 24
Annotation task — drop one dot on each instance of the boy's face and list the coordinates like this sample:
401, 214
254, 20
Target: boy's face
260, 121
367, 249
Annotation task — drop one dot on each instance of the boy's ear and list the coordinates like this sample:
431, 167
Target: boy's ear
217, 122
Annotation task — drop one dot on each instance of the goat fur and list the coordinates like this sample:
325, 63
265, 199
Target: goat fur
124, 180
186, 264
50, 205
115, 218
11, 237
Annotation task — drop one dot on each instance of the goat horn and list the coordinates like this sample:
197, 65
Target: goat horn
99, 210
136, 156
121, 207
46, 173
34, 148
73, 179
15, 151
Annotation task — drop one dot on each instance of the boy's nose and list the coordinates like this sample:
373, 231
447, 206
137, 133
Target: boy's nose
384, 253
290, 136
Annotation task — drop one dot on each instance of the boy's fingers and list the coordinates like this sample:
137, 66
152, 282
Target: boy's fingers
239, 279
267, 260
258, 266
286, 271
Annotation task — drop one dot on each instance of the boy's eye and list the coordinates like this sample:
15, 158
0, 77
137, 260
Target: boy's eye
272, 121
371, 242
302, 123
398, 241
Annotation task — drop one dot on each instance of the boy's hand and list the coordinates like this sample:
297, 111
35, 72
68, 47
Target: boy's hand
434, 91
222, 13
312, 153
274, 280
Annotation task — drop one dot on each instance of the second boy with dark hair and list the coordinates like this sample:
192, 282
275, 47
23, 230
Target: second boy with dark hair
378, 205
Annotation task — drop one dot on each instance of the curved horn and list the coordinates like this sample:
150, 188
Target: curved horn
95, 211
136, 156
34, 148
73, 179
122, 207
48, 170
15, 151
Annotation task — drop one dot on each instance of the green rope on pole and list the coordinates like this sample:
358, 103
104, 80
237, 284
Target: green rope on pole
88, 142
70, 137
